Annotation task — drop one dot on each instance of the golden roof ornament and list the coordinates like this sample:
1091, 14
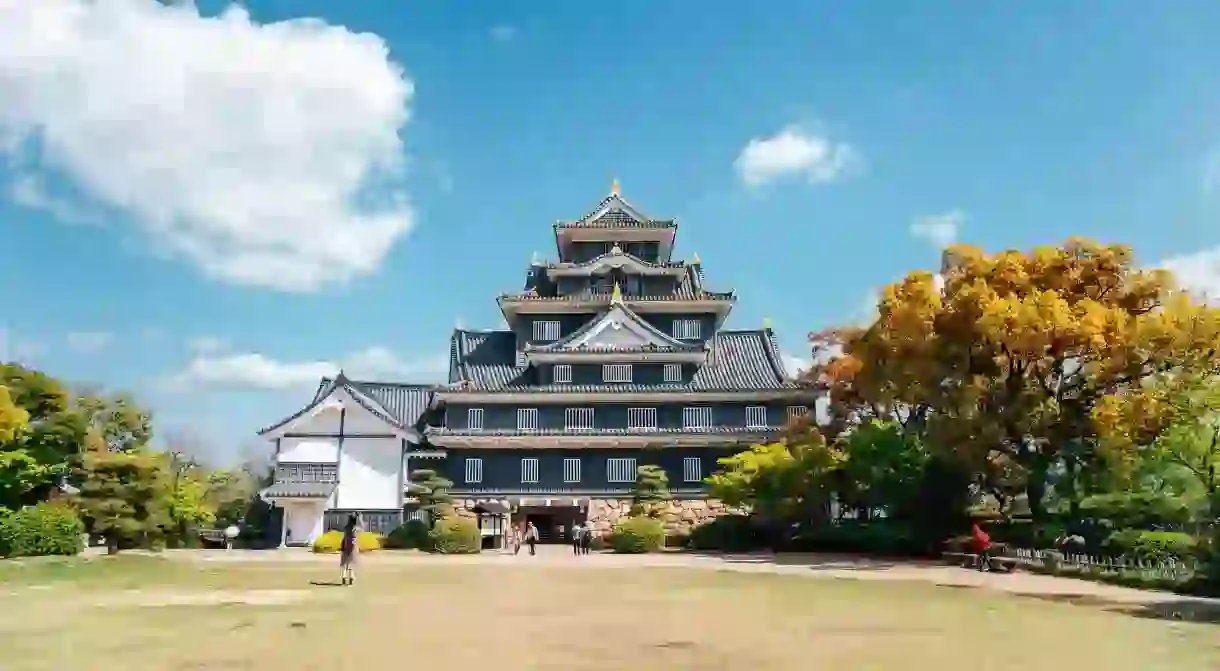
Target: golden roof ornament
614, 189
697, 261
617, 295
767, 323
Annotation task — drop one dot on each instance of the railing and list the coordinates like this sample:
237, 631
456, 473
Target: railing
1171, 569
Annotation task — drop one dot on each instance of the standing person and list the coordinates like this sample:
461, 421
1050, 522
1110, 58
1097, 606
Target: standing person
577, 536
982, 546
531, 537
516, 538
586, 538
349, 549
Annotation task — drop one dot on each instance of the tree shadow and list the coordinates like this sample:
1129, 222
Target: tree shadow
1171, 609
326, 583
815, 561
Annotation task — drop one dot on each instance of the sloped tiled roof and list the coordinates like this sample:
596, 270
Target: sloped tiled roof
664, 341
298, 490
615, 212
400, 405
738, 360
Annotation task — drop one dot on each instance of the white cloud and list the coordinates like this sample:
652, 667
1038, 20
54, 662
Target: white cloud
1197, 272
207, 344
89, 342
794, 152
503, 33
795, 365
266, 154
251, 370
940, 230
30, 192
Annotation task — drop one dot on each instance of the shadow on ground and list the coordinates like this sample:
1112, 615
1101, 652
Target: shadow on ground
812, 561
1177, 610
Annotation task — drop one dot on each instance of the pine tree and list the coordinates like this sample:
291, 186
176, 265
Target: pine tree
651, 488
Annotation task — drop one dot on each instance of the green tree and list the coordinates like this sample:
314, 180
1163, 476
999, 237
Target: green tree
883, 467
123, 425
40, 437
649, 491
124, 495
432, 492
780, 482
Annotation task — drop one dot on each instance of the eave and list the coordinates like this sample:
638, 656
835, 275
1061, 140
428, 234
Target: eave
691, 356
719, 304
676, 394
341, 383
615, 259
552, 440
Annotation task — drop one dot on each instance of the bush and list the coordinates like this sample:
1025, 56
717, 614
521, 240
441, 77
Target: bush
1152, 546
728, 533
408, 536
40, 530
330, 542
455, 535
637, 535
885, 538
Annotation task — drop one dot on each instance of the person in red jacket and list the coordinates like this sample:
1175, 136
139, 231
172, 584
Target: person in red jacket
981, 543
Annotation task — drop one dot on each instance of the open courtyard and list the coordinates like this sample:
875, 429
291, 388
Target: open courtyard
280, 610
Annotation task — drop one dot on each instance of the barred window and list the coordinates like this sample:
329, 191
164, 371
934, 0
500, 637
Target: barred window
377, 521
620, 470
474, 418
686, 329
527, 419
616, 372
692, 469
474, 470
756, 417
571, 470
795, 411
306, 473
578, 419
673, 372
546, 330
529, 470
520, 361
641, 418
697, 418
563, 373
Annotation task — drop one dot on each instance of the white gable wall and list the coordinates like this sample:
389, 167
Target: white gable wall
616, 330
369, 471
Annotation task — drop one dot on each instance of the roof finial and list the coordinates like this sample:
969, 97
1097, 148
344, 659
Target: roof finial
614, 190
617, 295
767, 323
697, 261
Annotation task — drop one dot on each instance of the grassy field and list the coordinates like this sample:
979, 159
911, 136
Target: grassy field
141, 613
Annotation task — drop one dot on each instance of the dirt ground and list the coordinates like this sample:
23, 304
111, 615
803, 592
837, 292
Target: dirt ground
145, 613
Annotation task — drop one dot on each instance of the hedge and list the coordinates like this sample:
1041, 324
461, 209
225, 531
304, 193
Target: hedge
455, 535
40, 530
637, 535
729, 533
1151, 546
411, 535
331, 541
877, 538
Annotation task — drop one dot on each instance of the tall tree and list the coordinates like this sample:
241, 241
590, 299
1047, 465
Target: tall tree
124, 495
1013, 354
432, 492
651, 488
40, 438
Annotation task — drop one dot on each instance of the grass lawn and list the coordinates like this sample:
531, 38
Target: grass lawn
141, 613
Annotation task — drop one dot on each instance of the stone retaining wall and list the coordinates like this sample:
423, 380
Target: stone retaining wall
679, 516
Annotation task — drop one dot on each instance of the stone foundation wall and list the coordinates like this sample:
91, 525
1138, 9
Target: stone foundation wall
679, 516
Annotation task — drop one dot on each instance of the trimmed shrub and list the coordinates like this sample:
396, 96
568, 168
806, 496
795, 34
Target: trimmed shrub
411, 535
329, 542
728, 533
1152, 546
878, 538
637, 535
455, 535
40, 530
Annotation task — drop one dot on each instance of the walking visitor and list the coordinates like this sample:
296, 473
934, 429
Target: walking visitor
577, 537
531, 537
982, 546
586, 538
349, 550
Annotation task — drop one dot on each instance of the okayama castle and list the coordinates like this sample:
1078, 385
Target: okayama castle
615, 358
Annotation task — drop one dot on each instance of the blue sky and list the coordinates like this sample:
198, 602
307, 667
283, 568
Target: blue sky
210, 210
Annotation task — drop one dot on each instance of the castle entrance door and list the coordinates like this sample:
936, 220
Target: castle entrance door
554, 522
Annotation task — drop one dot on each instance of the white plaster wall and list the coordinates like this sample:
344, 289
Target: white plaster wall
309, 450
359, 420
304, 520
368, 473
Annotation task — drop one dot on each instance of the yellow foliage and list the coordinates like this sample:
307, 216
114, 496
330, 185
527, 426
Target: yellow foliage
331, 541
13, 418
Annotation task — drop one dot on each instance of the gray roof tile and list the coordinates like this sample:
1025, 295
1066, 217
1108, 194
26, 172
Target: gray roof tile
303, 490
615, 212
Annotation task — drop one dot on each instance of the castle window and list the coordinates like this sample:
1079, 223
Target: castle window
795, 411
642, 418
529, 470
474, 470
697, 418
686, 329
620, 470
474, 418
616, 372
756, 417
673, 372
563, 373
578, 419
692, 469
571, 470
527, 419
546, 330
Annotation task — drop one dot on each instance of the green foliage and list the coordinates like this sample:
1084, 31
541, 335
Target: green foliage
883, 467
637, 535
455, 534
40, 530
117, 421
651, 487
778, 481
1139, 509
432, 492
728, 533
13, 418
332, 541
1152, 546
124, 495
875, 538
413, 534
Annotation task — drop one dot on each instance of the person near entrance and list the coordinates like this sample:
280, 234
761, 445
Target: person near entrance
586, 538
577, 536
531, 537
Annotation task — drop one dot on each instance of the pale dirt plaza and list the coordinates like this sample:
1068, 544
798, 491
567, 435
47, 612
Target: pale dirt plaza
280, 610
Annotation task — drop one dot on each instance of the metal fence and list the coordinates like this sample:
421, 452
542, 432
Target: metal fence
1171, 569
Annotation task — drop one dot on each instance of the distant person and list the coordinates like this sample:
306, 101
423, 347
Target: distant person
515, 538
982, 546
531, 537
586, 538
577, 536
349, 550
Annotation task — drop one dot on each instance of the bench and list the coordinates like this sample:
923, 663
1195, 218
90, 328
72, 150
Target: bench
970, 560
